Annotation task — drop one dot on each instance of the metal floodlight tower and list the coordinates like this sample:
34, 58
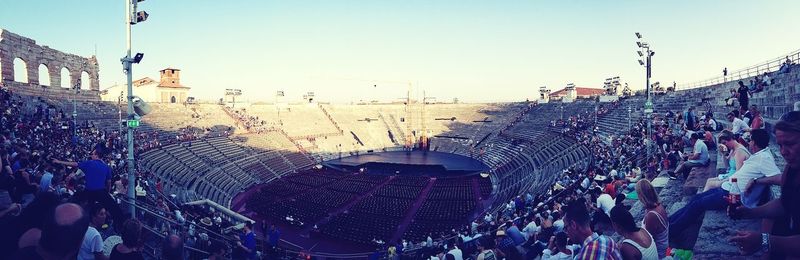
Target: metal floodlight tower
131, 17
75, 110
644, 50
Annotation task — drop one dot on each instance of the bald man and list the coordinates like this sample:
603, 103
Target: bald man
61, 235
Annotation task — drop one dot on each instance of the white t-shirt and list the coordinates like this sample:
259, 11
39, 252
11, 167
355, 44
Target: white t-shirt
760, 164
92, 243
559, 225
605, 202
456, 253
738, 126
531, 229
548, 255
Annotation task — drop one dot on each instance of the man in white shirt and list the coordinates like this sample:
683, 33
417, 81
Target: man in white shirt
531, 228
738, 127
605, 202
760, 164
453, 250
92, 245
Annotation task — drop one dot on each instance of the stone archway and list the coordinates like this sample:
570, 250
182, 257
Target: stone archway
20, 70
44, 75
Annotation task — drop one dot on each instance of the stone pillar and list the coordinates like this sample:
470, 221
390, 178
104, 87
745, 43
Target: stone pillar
7, 68
55, 74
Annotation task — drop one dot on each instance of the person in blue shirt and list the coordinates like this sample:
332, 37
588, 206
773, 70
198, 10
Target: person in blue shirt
98, 182
274, 236
247, 242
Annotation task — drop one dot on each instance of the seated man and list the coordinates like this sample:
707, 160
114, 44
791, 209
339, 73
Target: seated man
760, 164
782, 241
698, 157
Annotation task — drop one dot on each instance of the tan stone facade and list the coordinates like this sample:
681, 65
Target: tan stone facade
13, 46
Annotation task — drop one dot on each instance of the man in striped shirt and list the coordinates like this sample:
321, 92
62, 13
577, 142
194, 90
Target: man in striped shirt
594, 246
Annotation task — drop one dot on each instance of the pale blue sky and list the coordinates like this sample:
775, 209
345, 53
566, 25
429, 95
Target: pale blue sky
472, 50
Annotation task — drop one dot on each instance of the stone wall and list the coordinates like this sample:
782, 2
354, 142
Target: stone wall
13, 46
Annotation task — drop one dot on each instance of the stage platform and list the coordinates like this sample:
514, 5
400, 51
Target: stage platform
425, 163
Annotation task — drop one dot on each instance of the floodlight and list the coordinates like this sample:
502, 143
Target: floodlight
141, 16
641, 62
640, 53
638, 35
652, 53
639, 44
138, 58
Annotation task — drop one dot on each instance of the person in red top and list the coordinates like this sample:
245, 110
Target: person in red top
758, 121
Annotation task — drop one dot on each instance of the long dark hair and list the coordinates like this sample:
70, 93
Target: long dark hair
623, 219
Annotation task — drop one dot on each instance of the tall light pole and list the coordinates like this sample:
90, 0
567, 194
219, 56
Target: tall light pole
629, 118
75, 110
646, 53
131, 17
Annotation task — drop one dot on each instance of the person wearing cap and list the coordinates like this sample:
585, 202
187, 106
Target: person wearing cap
505, 245
784, 237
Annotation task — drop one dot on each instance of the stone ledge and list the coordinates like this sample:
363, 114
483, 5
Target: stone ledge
717, 228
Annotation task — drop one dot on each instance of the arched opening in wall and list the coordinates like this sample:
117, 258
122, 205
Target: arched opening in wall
172, 99
20, 70
86, 82
66, 78
44, 75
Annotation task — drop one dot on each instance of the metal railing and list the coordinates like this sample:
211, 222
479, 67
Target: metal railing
755, 70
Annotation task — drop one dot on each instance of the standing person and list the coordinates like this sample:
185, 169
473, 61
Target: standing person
577, 226
131, 246
742, 94
247, 242
98, 182
785, 236
656, 220
92, 246
638, 243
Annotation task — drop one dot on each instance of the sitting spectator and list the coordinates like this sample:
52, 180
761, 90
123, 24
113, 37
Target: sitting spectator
738, 126
172, 249
577, 226
760, 164
92, 246
217, 251
485, 246
757, 121
130, 248
638, 243
557, 248
735, 154
655, 217
61, 235
782, 241
698, 158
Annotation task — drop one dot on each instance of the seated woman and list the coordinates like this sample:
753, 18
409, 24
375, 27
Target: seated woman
656, 220
736, 157
637, 242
